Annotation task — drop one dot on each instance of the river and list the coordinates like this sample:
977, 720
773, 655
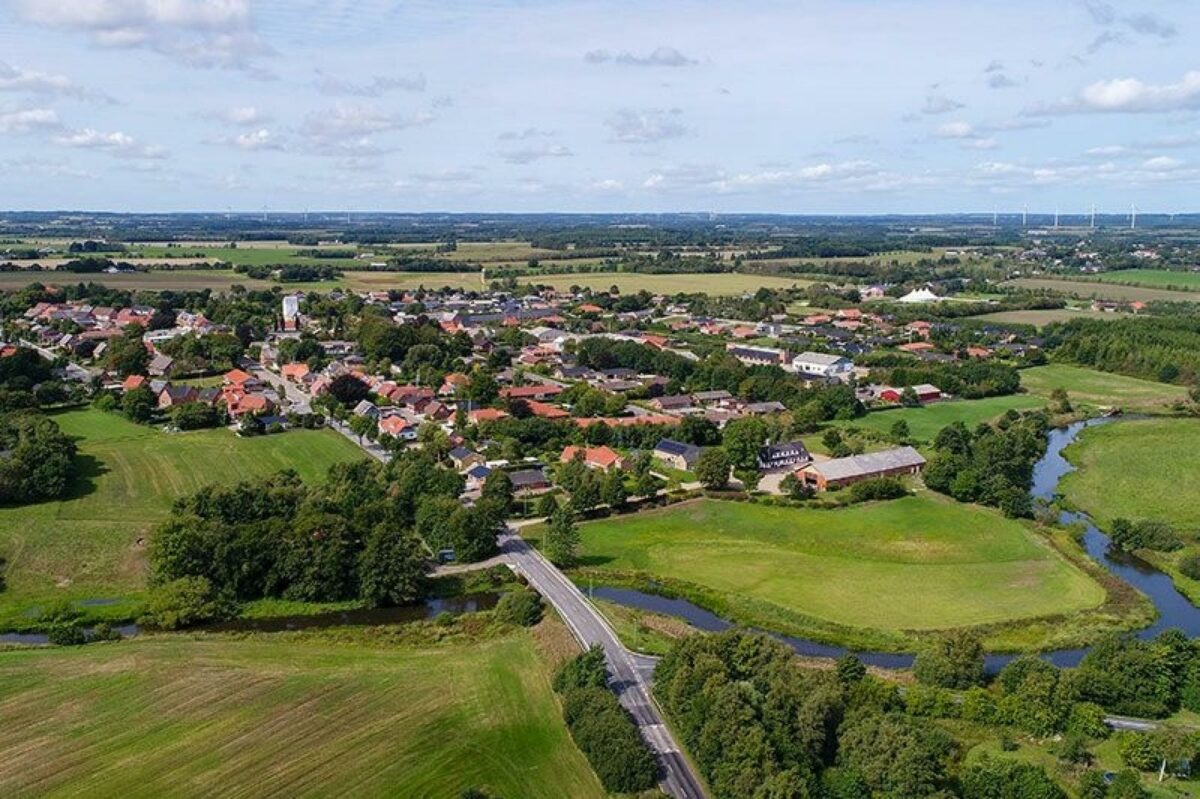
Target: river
1174, 609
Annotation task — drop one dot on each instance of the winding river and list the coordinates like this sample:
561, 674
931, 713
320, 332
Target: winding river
1174, 609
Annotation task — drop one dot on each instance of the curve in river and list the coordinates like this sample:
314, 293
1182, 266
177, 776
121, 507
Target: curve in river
1174, 609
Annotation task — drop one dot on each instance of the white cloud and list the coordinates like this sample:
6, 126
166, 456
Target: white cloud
200, 33
527, 155
116, 143
28, 120
641, 127
246, 115
260, 139
17, 79
659, 57
955, 130
352, 120
1130, 96
376, 87
1162, 163
940, 104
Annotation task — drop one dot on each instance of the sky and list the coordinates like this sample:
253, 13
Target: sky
803, 106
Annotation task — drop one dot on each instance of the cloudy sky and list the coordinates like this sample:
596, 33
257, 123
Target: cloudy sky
800, 106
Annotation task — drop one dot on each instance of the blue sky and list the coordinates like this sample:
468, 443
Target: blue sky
810, 106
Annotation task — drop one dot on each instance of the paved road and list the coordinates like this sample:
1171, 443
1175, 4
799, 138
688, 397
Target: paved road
631, 673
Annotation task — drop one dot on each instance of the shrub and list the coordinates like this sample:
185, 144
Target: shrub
183, 603
954, 660
66, 634
607, 736
877, 488
1087, 719
1139, 751
1008, 779
105, 632
1189, 567
581, 671
523, 608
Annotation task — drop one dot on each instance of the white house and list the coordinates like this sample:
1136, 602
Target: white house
821, 364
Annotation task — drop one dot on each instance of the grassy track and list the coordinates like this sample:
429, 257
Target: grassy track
919, 563
287, 717
925, 422
92, 544
1100, 389
1139, 469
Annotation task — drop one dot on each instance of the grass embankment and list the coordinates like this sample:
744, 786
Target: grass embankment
343, 712
91, 545
879, 575
925, 422
1093, 389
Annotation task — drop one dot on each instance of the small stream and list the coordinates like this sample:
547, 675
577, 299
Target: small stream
1174, 609
358, 617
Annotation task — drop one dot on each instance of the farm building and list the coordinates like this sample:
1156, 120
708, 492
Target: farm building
846, 471
677, 454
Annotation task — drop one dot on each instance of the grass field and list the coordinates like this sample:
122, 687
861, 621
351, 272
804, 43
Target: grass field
1090, 387
91, 546
1155, 278
925, 422
1137, 469
1041, 317
283, 716
1105, 291
630, 282
919, 563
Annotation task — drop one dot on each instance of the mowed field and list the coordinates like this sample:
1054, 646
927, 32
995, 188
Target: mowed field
919, 563
1042, 317
1100, 389
1156, 278
1137, 469
631, 282
1104, 291
91, 546
925, 422
277, 716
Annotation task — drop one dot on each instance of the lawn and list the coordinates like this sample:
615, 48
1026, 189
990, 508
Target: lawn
1137, 469
925, 422
91, 546
916, 564
1100, 389
286, 716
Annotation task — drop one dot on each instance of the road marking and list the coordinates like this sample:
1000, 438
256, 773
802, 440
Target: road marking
659, 739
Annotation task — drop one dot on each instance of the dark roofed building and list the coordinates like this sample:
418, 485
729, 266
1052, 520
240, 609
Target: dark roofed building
677, 454
778, 456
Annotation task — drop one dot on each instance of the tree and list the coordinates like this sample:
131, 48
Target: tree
139, 404
748, 478
391, 568
712, 468
184, 602
953, 660
612, 489
1008, 779
362, 425
742, 439
561, 541
899, 431
699, 431
522, 608
38, 461
348, 390
795, 488
909, 398
195, 416
546, 505
126, 354
850, 670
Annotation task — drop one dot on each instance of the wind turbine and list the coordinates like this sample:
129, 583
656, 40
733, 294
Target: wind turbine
1133, 217
1093, 216
1056, 218
1024, 215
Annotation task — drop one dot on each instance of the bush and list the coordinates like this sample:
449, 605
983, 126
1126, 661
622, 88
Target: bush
582, 671
523, 608
876, 489
607, 736
183, 603
1139, 751
1008, 779
66, 634
954, 660
195, 416
1189, 566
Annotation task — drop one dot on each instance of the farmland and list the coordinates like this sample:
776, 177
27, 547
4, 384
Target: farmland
1089, 387
90, 546
1105, 291
1155, 278
630, 282
1138, 469
843, 575
287, 715
925, 422
1042, 317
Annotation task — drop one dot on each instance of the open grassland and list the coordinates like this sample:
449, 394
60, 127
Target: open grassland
91, 545
1155, 278
285, 716
1137, 469
1090, 387
631, 282
155, 280
925, 422
1094, 289
915, 564
1042, 317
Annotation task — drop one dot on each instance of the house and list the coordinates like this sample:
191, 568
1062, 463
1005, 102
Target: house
476, 476
172, 396
296, 372
529, 481
677, 454
463, 458
238, 405
677, 402
778, 456
602, 458
545, 410
542, 391
712, 397
397, 426
822, 364
366, 408
486, 415
160, 364
132, 382
924, 391
757, 356
241, 381
840, 472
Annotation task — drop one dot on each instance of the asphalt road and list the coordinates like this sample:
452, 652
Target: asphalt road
630, 673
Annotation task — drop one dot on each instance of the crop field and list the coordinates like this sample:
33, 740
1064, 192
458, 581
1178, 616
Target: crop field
91, 546
1042, 317
1137, 469
1155, 278
1093, 289
282, 716
919, 563
1100, 389
925, 422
